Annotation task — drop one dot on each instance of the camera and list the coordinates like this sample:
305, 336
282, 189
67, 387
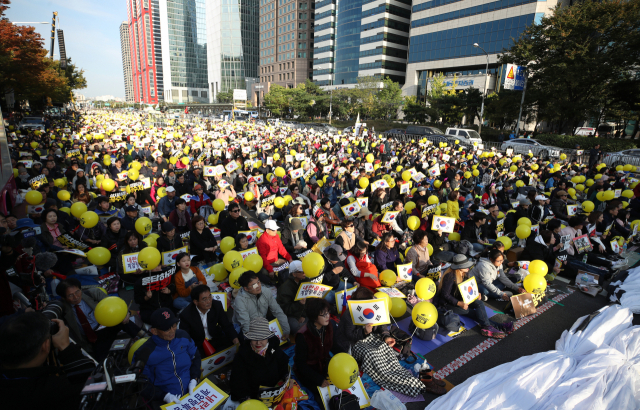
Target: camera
54, 328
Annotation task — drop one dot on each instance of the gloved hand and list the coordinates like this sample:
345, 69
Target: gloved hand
192, 385
168, 398
231, 405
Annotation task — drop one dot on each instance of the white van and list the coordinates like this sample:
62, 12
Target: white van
466, 136
585, 131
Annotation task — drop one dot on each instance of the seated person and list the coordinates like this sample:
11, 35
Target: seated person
180, 217
295, 310
152, 292
255, 301
542, 248
259, 362
293, 238
491, 279
311, 360
205, 318
168, 239
186, 278
271, 249
360, 266
418, 255
349, 334
25, 345
334, 273
76, 308
474, 233
348, 237
170, 359
386, 255
448, 296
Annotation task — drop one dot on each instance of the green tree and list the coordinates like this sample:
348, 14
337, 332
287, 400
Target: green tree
389, 99
577, 58
224, 97
414, 111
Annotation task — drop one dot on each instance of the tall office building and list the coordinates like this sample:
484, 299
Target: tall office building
232, 41
184, 50
126, 61
286, 42
443, 33
361, 38
143, 51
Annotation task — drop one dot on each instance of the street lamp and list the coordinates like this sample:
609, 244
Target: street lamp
486, 71
331, 97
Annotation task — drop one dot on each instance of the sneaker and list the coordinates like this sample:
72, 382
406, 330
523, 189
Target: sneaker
506, 327
484, 298
426, 374
491, 331
431, 387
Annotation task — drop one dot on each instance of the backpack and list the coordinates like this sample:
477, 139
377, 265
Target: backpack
344, 401
381, 148
205, 211
449, 320
425, 334
403, 344
464, 247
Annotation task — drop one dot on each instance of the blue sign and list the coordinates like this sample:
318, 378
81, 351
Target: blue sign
519, 84
514, 77
461, 83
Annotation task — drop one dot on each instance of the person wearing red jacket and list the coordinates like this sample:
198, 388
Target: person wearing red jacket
199, 199
271, 249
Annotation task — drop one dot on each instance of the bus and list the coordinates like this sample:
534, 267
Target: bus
8, 187
240, 114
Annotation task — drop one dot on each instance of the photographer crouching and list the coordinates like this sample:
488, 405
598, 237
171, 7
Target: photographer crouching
31, 375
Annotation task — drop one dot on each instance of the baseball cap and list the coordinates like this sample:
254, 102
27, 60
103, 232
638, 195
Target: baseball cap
527, 202
271, 224
171, 189
195, 188
163, 319
541, 198
295, 266
167, 227
562, 193
131, 208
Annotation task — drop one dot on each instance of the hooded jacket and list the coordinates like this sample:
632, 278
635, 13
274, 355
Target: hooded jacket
486, 273
269, 248
248, 306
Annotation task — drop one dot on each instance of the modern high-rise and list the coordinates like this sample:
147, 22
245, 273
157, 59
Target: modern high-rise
286, 43
126, 61
232, 45
142, 39
443, 33
360, 39
184, 50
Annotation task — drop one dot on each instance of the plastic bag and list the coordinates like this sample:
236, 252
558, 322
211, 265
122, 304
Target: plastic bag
384, 399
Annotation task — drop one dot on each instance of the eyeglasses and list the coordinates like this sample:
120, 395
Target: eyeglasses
75, 294
500, 260
325, 314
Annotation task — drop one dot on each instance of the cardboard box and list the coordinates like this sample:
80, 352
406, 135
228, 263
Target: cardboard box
513, 254
523, 305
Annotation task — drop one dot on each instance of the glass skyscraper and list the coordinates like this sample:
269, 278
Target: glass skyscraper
232, 38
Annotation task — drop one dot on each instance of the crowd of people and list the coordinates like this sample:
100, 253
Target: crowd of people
201, 192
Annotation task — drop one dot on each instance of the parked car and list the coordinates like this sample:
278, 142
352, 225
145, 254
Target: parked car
466, 136
585, 131
422, 130
436, 139
526, 145
395, 131
32, 123
629, 156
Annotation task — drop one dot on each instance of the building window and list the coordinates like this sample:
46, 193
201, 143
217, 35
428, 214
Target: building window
302, 36
302, 6
280, 77
302, 16
302, 26
203, 94
302, 45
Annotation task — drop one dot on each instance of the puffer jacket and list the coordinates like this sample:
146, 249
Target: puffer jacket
170, 365
486, 273
248, 306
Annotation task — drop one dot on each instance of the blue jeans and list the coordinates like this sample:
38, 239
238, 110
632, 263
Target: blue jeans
476, 312
331, 295
477, 247
182, 302
483, 290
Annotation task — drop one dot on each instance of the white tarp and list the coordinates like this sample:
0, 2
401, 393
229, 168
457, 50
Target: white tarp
526, 383
631, 287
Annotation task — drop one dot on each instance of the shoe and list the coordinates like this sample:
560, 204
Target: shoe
426, 374
484, 298
431, 387
506, 327
491, 331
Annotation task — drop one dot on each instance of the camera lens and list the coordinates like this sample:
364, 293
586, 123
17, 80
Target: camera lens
55, 328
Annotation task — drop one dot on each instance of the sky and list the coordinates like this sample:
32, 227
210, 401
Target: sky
91, 35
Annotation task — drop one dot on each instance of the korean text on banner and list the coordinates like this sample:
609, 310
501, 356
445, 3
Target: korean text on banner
312, 290
130, 263
206, 396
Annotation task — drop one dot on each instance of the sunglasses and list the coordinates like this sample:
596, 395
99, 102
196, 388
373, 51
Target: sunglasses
234, 211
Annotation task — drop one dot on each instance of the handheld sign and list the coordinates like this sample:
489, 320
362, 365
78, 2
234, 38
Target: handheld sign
250, 251
312, 290
357, 390
343, 294
392, 292
365, 312
469, 290
274, 326
405, 271
220, 297
206, 396
169, 257
219, 359
130, 263
445, 223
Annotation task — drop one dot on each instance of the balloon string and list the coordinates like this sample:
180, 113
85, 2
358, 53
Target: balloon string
414, 331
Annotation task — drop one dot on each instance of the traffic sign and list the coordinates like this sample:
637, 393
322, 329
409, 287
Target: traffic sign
514, 78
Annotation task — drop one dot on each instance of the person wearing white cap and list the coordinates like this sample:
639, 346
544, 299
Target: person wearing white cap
538, 211
295, 310
271, 249
167, 204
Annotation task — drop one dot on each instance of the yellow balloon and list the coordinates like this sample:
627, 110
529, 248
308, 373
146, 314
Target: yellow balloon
133, 174
218, 205
278, 202
343, 371
248, 196
398, 307
135, 165
506, 241
33, 197
149, 258
382, 295
424, 315
185, 160
433, 200
235, 275
64, 195
78, 209
534, 283
219, 272
524, 221
89, 219
369, 158
627, 193
279, 172
523, 231
413, 222
388, 277
143, 226
135, 347
99, 256
232, 260
430, 249
425, 288
475, 172
66, 210
151, 241
609, 195
363, 182
173, 160
406, 176
253, 263
454, 236
226, 244
111, 311
252, 404
409, 206
108, 185
312, 265
538, 267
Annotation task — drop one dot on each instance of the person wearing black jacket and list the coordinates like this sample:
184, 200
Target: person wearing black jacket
25, 346
542, 248
202, 243
293, 238
219, 331
234, 222
113, 239
364, 226
154, 291
181, 186
473, 231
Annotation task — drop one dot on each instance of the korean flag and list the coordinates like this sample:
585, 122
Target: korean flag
524, 264
251, 236
364, 312
405, 271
